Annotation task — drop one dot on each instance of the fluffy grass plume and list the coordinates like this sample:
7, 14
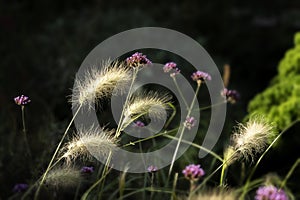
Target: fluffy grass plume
151, 103
98, 83
251, 138
214, 195
93, 142
63, 177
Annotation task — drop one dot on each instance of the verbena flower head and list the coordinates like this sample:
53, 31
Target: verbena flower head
232, 96
20, 187
189, 122
63, 177
201, 76
22, 100
151, 103
252, 137
152, 169
172, 68
87, 170
270, 193
99, 83
139, 124
137, 60
193, 172
94, 142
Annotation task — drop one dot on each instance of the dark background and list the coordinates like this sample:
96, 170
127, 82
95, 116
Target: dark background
42, 44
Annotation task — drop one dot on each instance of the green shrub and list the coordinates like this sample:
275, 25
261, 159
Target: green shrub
280, 102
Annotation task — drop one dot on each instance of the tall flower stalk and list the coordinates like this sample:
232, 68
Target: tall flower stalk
22, 101
199, 77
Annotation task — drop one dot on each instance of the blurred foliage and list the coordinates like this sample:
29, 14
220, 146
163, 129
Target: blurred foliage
280, 102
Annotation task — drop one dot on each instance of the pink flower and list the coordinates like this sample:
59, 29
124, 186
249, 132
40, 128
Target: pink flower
193, 172
22, 100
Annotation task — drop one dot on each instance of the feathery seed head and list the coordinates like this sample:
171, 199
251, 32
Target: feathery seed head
215, 195
252, 137
94, 142
63, 177
98, 83
150, 103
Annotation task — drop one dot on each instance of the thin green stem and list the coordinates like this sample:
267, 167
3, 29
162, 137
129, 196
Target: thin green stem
222, 175
37, 182
211, 106
290, 173
118, 131
148, 138
197, 146
180, 92
172, 116
24, 131
105, 170
85, 195
55, 153
245, 188
183, 128
173, 197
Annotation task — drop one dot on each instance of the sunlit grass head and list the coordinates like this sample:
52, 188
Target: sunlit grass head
99, 82
250, 138
150, 103
93, 142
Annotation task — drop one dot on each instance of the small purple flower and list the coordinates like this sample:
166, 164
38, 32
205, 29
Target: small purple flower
152, 169
137, 59
87, 170
20, 187
22, 100
139, 124
200, 76
231, 96
193, 172
189, 122
171, 67
270, 193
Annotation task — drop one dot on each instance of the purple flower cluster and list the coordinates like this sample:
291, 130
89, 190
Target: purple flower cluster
172, 68
189, 122
138, 124
231, 96
270, 193
22, 100
137, 59
87, 170
20, 187
152, 169
200, 76
193, 172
